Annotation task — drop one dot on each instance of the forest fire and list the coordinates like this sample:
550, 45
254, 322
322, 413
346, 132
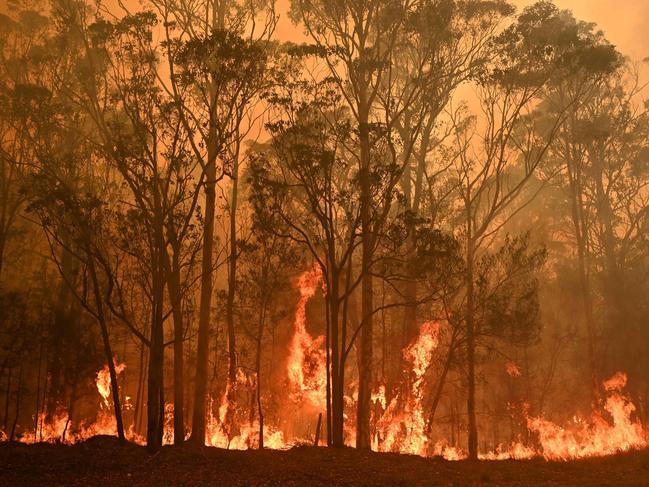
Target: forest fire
594, 436
329, 232
400, 424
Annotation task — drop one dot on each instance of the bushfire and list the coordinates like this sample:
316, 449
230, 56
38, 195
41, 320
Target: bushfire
399, 422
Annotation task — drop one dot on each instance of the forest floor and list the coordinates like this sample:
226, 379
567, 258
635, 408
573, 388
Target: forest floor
102, 461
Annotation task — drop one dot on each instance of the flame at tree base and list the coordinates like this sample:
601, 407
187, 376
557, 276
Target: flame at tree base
399, 425
400, 431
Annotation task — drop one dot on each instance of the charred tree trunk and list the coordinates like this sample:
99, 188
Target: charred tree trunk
337, 365
471, 345
202, 351
64, 318
260, 337
581, 240
174, 288
440, 385
217, 21
232, 283
139, 394
363, 439
101, 317
155, 392
19, 387
7, 399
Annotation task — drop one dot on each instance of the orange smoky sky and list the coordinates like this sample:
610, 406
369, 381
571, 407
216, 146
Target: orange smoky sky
624, 22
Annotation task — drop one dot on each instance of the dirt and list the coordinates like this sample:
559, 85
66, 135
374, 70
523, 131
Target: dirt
103, 461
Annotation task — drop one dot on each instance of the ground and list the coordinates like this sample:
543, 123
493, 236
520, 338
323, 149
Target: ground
102, 461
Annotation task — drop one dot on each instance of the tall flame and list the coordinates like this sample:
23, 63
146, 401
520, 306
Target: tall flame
306, 366
102, 381
402, 426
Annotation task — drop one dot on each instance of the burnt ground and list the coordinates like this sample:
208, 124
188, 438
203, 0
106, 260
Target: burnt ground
102, 461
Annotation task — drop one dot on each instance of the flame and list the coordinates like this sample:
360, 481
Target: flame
448, 452
103, 381
402, 427
594, 436
306, 366
399, 423
219, 435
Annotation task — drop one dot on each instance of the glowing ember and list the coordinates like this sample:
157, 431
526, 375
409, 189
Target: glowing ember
513, 370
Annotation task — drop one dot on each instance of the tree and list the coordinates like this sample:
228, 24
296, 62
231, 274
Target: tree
304, 188
359, 44
212, 99
491, 173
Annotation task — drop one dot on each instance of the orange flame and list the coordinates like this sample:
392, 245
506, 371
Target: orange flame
306, 367
595, 436
402, 426
103, 381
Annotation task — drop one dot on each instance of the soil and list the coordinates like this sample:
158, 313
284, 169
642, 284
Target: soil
102, 461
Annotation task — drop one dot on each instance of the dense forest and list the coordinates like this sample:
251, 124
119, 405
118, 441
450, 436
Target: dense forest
420, 227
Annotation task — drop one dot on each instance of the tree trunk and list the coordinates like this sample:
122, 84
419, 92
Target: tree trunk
202, 349
18, 394
63, 319
139, 394
363, 434
7, 397
337, 365
260, 336
232, 281
470, 338
155, 392
440, 385
173, 286
581, 236
107, 349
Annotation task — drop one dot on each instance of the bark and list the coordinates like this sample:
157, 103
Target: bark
318, 428
202, 346
581, 236
337, 363
37, 417
139, 394
260, 336
7, 397
614, 284
64, 318
18, 394
440, 385
155, 392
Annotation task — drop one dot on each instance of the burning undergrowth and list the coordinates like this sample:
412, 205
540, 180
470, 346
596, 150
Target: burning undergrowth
399, 421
